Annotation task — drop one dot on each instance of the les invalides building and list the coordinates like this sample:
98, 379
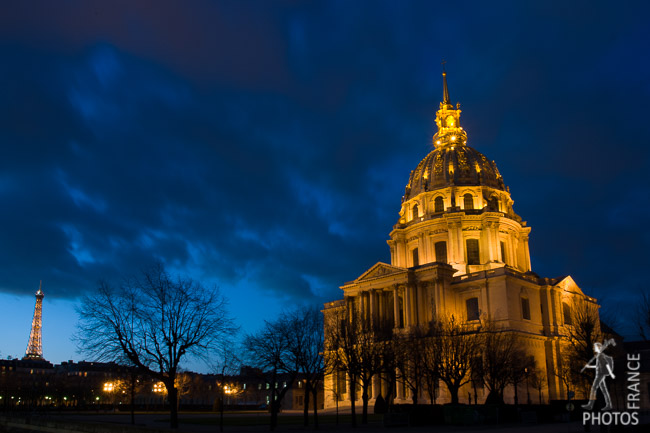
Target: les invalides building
459, 249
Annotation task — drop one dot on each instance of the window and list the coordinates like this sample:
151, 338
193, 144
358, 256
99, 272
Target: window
494, 204
438, 205
525, 308
415, 211
472, 308
567, 313
416, 257
472, 252
259, 386
503, 252
469, 201
441, 251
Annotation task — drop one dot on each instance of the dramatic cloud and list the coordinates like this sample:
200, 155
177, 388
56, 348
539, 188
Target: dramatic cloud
265, 147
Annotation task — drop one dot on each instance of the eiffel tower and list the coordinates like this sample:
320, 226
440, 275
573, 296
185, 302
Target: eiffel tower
35, 346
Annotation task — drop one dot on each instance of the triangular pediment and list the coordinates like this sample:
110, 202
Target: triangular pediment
567, 283
380, 270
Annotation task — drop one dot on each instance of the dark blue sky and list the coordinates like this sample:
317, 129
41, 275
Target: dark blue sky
264, 146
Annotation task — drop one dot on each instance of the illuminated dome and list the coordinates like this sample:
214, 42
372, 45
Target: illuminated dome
453, 166
456, 208
452, 163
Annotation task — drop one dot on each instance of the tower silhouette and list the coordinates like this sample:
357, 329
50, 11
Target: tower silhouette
35, 346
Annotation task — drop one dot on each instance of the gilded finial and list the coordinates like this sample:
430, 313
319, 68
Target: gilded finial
449, 132
445, 90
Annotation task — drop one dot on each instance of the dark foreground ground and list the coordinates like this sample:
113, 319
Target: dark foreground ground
259, 422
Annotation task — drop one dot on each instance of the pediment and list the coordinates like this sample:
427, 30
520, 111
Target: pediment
568, 284
380, 270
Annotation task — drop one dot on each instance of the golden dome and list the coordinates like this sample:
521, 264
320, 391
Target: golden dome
453, 166
452, 162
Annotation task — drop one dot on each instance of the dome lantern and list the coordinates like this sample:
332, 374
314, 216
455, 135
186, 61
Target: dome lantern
449, 132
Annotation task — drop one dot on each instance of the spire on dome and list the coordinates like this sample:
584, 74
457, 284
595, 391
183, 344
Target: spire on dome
445, 90
449, 132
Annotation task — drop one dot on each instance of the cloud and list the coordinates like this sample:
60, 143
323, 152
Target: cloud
267, 149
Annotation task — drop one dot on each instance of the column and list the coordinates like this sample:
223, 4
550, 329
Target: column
515, 246
373, 306
400, 390
376, 386
396, 305
490, 241
428, 295
452, 247
424, 249
526, 254
414, 304
407, 306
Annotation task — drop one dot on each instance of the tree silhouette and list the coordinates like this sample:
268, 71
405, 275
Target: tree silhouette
457, 344
154, 321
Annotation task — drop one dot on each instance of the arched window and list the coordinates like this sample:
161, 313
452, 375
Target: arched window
473, 257
469, 201
416, 257
503, 251
441, 251
439, 204
566, 310
415, 211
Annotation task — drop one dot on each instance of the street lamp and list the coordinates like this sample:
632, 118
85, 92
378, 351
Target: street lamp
109, 387
160, 388
527, 389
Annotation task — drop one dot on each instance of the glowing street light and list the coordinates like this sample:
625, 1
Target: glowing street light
159, 387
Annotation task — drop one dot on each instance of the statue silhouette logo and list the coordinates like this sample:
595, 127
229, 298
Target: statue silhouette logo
604, 366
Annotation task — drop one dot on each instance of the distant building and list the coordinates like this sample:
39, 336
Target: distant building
252, 388
28, 383
458, 248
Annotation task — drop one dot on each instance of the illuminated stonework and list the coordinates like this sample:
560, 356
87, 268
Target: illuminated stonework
458, 244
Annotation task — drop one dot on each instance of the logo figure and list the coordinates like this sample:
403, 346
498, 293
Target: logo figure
604, 366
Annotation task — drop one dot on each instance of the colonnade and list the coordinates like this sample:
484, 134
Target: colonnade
402, 305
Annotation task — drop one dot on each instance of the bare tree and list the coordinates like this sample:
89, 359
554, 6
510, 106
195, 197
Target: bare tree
390, 357
457, 344
498, 350
538, 380
270, 350
432, 360
355, 346
154, 321
412, 355
582, 331
519, 366
225, 363
306, 344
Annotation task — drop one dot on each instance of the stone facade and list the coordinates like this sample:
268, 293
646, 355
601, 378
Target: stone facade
458, 248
